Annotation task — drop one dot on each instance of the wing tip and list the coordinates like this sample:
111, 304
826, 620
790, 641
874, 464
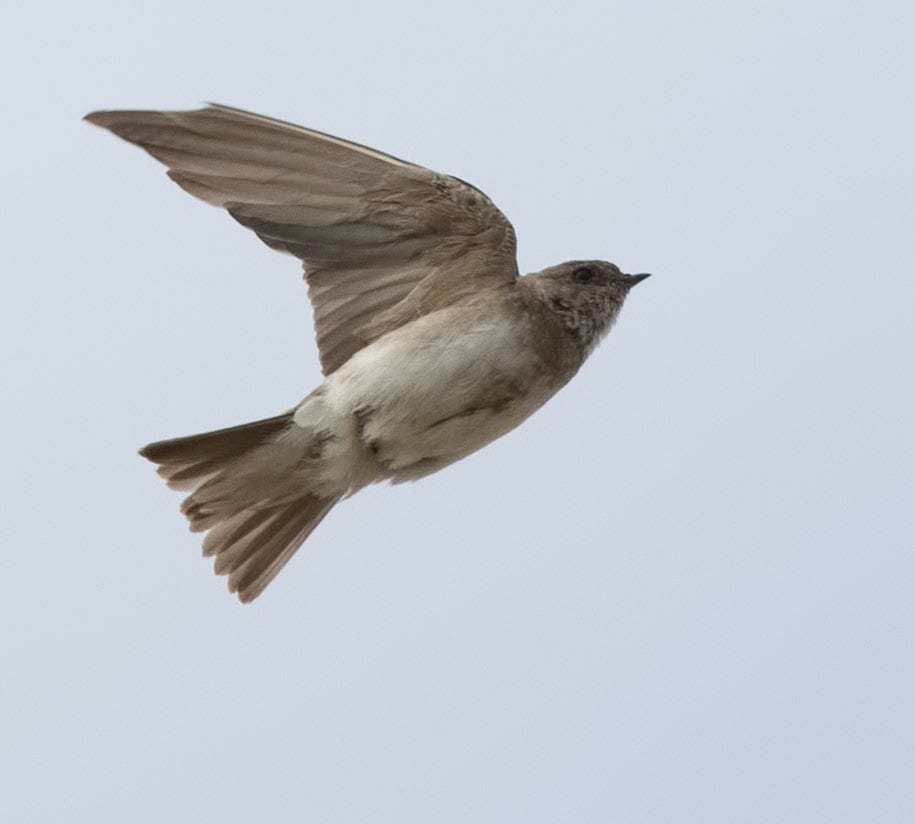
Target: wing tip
98, 118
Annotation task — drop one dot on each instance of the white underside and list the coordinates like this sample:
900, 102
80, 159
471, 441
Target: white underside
421, 398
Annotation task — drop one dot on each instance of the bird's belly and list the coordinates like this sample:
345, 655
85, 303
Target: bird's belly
412, 448
417, 403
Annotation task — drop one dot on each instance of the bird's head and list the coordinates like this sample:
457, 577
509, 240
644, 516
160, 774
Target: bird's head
587, 295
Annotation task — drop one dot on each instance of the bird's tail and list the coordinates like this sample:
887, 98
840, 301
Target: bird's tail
247, 496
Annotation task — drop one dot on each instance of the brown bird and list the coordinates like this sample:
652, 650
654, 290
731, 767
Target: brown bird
431, 344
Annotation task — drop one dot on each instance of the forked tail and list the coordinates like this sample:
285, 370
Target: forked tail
245, 495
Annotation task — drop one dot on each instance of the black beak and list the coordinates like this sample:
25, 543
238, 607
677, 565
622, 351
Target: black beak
632, 280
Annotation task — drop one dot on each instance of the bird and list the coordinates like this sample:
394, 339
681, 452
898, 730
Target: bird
431, 343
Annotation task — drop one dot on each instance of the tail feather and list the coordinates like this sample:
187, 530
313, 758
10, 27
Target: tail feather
245, 495
183, 461
258, 566
228, 534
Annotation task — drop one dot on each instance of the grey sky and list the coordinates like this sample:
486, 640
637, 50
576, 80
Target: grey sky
681, 592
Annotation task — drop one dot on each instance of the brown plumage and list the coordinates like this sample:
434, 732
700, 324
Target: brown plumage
430, 344
367, 226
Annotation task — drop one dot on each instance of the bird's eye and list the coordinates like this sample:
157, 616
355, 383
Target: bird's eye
583, 275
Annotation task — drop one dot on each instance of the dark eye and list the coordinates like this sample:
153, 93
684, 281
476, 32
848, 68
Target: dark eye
583, 275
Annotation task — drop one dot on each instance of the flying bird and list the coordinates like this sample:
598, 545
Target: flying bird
431, 345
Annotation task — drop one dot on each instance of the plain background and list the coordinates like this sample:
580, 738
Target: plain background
683, 592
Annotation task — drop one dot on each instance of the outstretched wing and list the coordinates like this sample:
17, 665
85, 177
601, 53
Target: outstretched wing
382, 241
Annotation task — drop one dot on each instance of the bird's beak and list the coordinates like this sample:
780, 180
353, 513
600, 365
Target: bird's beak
632, 280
